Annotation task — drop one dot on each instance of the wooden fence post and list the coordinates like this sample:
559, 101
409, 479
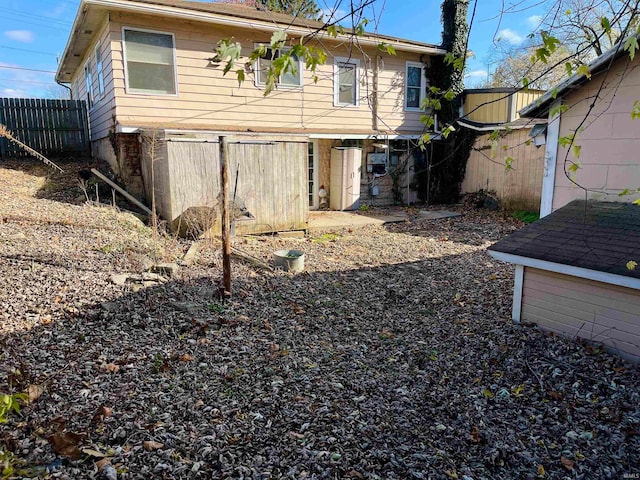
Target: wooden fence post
226, 220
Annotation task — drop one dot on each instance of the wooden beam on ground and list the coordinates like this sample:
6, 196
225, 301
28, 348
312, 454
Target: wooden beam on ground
122, 191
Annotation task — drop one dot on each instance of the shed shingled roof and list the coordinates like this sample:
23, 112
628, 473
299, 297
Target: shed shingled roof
601, 236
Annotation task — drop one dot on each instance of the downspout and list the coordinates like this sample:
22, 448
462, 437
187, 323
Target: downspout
68, 88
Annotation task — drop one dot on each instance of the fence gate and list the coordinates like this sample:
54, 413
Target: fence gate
51, 127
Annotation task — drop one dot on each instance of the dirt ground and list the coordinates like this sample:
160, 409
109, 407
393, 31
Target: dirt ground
392, 356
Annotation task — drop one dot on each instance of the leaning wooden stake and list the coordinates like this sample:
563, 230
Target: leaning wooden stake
4, 132
226, 221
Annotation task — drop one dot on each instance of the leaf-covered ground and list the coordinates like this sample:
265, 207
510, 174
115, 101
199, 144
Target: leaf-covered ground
393, 356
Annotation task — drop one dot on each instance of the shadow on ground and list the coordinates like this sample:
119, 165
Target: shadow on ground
401, 371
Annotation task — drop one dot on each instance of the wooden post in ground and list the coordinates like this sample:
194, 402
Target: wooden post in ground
226, 219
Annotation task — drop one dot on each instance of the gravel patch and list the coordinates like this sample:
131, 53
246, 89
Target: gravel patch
392, 356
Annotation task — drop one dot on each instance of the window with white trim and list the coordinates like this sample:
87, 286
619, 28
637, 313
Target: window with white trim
149, 62
88, 82
345, 82
99, 71
415, 86
288, 79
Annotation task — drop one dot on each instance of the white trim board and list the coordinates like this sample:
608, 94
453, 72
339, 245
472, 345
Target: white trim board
595, 275
518, 283
550, 161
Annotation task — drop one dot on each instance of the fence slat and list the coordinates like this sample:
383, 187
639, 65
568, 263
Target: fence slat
51, 127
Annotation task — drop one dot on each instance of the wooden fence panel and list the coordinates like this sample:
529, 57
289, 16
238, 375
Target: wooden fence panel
51, 127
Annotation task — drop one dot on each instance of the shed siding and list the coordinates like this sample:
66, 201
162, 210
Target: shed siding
583, 308
610, 141
207, 99
271, 179
520, 187
497, 107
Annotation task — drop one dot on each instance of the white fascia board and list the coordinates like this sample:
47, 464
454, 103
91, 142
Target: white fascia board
362, 136
595, 275
219, 19
491, 128
121, 129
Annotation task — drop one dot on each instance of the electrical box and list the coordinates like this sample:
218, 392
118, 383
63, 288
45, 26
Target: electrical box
377, 163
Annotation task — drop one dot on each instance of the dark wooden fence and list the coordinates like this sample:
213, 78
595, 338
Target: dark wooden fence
51, 127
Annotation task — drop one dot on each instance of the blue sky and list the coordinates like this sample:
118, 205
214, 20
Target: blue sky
34, 32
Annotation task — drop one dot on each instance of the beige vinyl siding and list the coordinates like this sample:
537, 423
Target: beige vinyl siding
577, 307
101, 114
610, 140
208, 99
520, 187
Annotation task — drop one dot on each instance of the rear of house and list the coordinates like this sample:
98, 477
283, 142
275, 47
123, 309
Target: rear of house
145, 69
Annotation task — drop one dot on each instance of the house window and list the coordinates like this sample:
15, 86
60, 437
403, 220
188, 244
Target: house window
415, 87
345, 82
88, 82
288, 79
99, 72
149, 62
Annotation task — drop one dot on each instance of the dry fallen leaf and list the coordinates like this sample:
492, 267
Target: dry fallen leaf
66, 444
185, 357
541, 471
100, 464
102, 413
35, 392
150, 445
198, 404
111, 367
474, 436
92, 453
568, 464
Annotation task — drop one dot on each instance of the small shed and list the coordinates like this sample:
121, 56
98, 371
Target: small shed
573, 274
267, 177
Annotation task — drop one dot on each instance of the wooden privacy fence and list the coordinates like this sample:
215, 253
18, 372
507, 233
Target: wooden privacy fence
51, 127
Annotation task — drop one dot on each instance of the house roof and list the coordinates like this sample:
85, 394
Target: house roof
540, 107
600, 236
91, 15
517, 124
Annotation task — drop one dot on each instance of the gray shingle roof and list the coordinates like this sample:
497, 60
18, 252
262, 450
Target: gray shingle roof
600, 236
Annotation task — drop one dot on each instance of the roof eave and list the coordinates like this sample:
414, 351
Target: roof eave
540, 107
221, 19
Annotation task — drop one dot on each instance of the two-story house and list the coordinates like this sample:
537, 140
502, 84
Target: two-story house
144, 69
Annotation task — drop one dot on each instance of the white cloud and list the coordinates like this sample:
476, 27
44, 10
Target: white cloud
24, 36
510, 36
332, 14
13, 93
534, 21
476, 74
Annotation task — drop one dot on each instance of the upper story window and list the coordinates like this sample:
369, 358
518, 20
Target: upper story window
150, 65
88, 83
415, 86
288, 79
346, 72
99, 71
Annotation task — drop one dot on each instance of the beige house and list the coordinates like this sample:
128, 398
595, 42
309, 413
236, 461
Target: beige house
145, 70
486, 110
572, 274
